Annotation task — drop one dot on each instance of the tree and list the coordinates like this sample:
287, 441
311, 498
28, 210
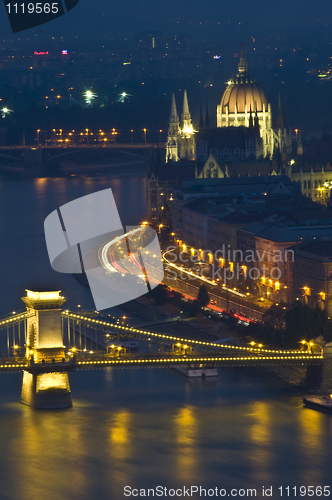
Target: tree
304, 323
191, 308
160, 294
177, 298
194, 307
276, 315
203, 296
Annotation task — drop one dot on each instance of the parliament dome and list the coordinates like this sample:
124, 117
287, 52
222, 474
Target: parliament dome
243, 91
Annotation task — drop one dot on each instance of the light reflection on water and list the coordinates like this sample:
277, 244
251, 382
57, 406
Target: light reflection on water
24, 205
187, 455
311, 424
120, 446
260, 436
143, 428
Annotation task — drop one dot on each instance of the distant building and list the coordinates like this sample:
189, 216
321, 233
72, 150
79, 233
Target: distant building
312, 168
180, 140
275, 256
255, 226
158, 197
224, 189
313, 273
229, 144
161, 185
214, 168
210, 223
245, 111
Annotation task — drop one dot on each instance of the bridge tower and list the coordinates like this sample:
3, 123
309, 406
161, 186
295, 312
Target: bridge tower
45, 381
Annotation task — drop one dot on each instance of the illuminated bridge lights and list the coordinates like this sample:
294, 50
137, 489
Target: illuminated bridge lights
178, 360
196, 360
14, 366
15, 318
194, 342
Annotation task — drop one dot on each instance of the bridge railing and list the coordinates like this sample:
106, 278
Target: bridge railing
13, 334
166, 361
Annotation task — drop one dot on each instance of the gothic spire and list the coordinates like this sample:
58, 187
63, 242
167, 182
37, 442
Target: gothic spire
299, 149
201, 121
174, 115
207, 119
284, 115
185, 109
242, 66
280, 120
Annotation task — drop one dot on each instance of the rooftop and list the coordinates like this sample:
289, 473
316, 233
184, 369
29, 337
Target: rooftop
321, 250
279, 234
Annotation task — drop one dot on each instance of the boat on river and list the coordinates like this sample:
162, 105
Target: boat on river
210, 371
197, 370
322, 403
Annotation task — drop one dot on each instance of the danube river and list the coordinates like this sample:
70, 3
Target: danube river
141, 428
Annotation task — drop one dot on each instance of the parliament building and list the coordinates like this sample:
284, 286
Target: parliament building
244, 126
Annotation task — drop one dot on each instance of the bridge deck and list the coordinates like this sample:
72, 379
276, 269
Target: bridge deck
130, 360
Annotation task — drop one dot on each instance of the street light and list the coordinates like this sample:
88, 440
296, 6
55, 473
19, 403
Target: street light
144, 130
89, 96
38, 137
306, 293
5, 111
123, 96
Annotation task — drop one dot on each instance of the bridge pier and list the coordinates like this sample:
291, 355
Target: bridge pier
326, 384
45, 381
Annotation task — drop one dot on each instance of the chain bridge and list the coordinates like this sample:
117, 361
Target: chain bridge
46, 342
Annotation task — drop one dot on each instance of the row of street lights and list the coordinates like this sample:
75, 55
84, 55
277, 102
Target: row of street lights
100, 136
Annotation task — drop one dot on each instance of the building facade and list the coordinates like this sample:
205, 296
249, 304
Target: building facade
242, 106
315, 180
313, 274
180, 140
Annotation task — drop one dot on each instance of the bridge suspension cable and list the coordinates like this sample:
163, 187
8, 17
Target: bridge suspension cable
13, 333
131, 330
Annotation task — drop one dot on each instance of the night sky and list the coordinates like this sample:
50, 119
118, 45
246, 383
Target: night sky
90, 18
300, 24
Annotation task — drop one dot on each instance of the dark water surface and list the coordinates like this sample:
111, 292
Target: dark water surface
150, 427
24, 205
139, 427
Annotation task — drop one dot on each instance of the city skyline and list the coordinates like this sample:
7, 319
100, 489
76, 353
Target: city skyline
166, 251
